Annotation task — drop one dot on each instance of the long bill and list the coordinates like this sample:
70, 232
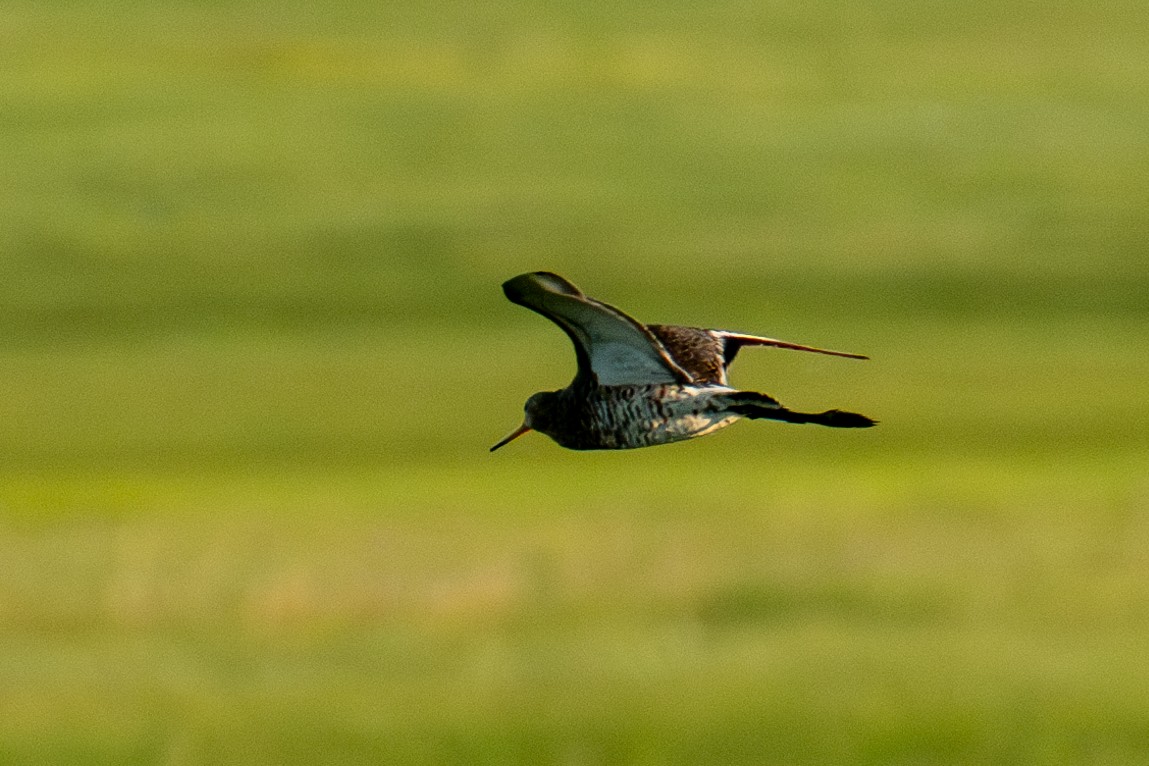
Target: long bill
512, 436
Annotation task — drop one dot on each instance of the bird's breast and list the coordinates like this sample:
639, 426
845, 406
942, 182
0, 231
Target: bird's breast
626, 417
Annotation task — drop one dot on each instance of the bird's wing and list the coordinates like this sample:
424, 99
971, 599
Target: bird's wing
733, 341
611, 347
707, 354
700, 352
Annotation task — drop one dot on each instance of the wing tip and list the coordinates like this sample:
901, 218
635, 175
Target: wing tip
519, 289
742, 339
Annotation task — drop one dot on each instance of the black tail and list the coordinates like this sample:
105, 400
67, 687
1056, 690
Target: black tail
755, 406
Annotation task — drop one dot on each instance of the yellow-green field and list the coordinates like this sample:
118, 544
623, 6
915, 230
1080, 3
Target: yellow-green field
253, 351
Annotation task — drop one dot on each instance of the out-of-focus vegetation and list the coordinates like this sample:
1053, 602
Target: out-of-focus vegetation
253, 350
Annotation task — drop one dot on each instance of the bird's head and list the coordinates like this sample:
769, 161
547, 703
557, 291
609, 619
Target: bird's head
537, 416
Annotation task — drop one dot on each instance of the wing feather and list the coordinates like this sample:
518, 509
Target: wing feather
700, 352
735, 341
611, 347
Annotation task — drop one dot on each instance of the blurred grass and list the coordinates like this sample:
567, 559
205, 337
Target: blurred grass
254, 350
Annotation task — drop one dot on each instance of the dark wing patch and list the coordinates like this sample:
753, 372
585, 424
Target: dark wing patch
700, 352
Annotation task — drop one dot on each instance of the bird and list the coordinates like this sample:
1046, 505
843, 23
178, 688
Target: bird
640, 385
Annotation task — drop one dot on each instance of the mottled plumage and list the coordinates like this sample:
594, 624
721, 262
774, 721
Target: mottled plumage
639, 385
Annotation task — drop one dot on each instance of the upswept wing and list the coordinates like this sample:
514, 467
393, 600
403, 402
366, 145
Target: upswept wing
612, 348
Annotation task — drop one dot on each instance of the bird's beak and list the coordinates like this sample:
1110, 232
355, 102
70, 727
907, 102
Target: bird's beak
512, 436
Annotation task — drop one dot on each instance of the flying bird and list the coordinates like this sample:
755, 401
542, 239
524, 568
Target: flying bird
640, 385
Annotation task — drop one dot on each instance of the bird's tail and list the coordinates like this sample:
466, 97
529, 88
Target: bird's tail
753, 405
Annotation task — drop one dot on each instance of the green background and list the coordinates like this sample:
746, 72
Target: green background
253, 351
